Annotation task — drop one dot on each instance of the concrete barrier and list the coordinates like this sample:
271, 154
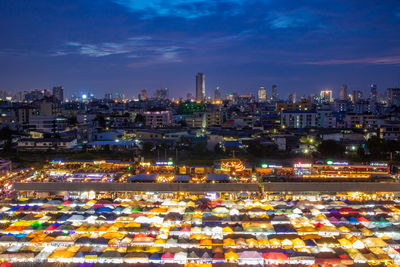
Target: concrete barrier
135, 187
199, 188
331, 187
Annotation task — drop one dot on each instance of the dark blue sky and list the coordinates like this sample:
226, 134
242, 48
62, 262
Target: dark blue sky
129, 45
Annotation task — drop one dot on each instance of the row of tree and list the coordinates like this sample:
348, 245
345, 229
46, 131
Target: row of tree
374, 149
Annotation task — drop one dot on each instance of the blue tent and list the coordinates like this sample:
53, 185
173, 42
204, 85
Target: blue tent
142, 177
182, 178
310, 243
104, 210
155, 257
217, 177
353, 220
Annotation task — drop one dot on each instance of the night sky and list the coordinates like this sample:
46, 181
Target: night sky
129, 45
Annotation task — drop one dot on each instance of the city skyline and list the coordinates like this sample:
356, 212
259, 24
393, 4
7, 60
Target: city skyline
128, 46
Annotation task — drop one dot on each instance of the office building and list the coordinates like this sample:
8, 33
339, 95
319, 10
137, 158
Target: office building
162, 94
343, 92
274, 94
357, 96
292, 98
326, 96
143, 95
393, 96
373, 93
217, 94
262, 94
200, 86
58, 93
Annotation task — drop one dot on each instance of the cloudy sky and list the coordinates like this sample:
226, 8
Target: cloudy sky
129, 45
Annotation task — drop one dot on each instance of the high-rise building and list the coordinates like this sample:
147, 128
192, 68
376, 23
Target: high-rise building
274, 94
162, 93
262, 94
393, 96
326, 96
34, 95
200, 86
58, 93
189, 96
373, 93
143, 95
217, 94
343, 92
292, 98
357, 96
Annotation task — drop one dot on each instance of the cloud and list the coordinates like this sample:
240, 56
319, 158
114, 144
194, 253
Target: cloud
139, 51
107, 48
372, 60
293, 19
188, 9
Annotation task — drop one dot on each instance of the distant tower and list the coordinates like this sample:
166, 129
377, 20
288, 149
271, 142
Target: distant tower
58, 93
143, 95
200, 86
262, 94
189, 96
292, 98
357, 96
373, 93
343, 92
393, 96
217, 94
274, 95
326, 96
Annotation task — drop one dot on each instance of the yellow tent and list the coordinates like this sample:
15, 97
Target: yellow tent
231, 257
229, 242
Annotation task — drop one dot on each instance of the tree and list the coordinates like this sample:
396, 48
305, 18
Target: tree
375, 146
330, 148
140, 119
255, 150
6, 135
200, 148
184, 143
147, 147
218, 149
361, 152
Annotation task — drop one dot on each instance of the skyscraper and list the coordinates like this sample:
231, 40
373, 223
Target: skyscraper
292, 98
393, 96
200, 86
162, 94
326, 96
357, 96
343, 92
274, 95
58, 93
262, 94
143, 95
373, 93
217, 94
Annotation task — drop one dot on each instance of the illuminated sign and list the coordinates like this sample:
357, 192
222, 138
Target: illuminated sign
270, 166
377, 164
164, 163
330, 162
302, 165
